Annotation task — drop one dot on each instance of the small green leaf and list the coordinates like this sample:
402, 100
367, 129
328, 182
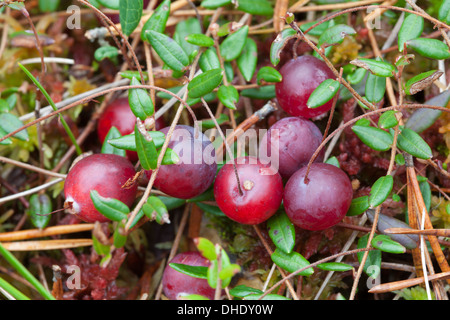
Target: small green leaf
241, 291
39, 210
229, 96
209, 60
375, 138
248, 59
213, 273
291, 262
421, 81
106, 52
264, 92
9, 123
399, 159
206, 248
119, 238
388, 120
376, 67
158, 20
334, 161
429, 48
192, 271
140, 102
110, 149
156, 210
170, 157
411, 28
385, 243
214, 4
229, 271
146, 150
255, 7
110, 4
185, 296
100, 248
404, 60
444, 12
268, 74
317, 31
380, 190
334, 266
130, 14
281, 231
112, 209
278, 44
49, 5
184, 28
411, 142
7, 141
323, 93
204, 83
363, 122
375, 88
357, 76
200, 40
372, 267
128, 142
358, 206
129, 74
168, 50
335, 34
271, 296
232, 46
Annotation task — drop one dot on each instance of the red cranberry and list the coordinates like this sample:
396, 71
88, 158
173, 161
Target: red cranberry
261, 186
106, 173
300, 77
294, 140
322, 201
118, 114
195, 171
176, 283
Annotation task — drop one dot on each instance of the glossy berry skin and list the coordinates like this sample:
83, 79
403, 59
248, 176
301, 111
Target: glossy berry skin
106, 173
293, 140
322, 202
300, 77
195, 171
118, 114
262, 191
176, 283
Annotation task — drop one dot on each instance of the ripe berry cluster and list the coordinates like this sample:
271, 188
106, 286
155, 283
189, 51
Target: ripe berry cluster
248, 189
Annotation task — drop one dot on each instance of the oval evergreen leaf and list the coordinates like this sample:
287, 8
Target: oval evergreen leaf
323, 93
229, 96
380, 190
378, 68
140, 102
255, 7
375, 88
9, 123
421, 81
358, 206
375, 138
335, 266
281, 231
146, 150
385, 243
192, 271
130, 14
412, 143
205, 83
232, 46
128, 142
291, 262
39, 210
248, 59
113, 209
278, 44
411, 28
429, 48
444, 11
209, 60
158, 20
106, 52
268, 74
335, 34
200, 40
388, 120
168, 50
107, 148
